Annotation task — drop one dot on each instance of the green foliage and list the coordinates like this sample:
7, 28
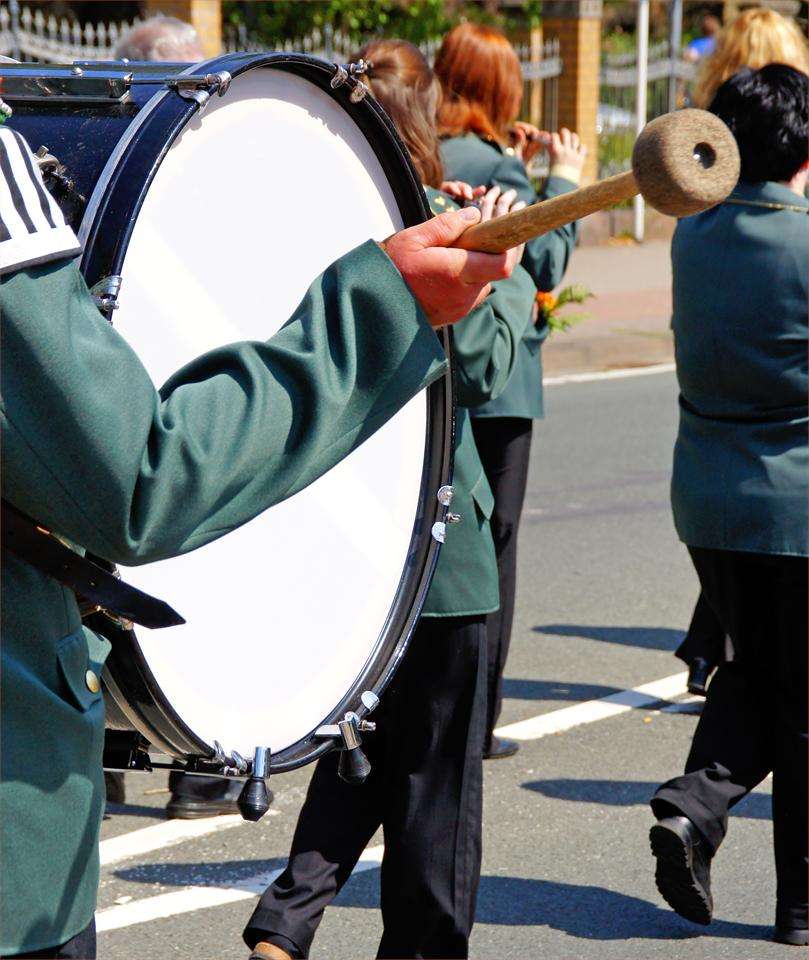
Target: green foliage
414, 20
550, 307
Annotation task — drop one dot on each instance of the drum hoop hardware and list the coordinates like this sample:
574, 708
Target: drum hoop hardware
344, 73
439, 531
233, 764
105, 292
28, 83
334, 731
445, 494
200, 88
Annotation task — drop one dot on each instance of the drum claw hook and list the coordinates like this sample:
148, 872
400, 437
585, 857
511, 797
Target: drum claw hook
233, 765
351, 71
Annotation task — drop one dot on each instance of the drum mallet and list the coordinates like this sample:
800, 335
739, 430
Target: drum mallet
683, 162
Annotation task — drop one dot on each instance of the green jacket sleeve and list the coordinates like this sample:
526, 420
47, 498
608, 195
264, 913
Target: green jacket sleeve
545, 257
133, 474
487, 340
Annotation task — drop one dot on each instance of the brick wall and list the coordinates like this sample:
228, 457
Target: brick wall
578, 27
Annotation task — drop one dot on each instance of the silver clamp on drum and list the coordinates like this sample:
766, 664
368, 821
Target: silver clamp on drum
351, 71
201, 89
353, 766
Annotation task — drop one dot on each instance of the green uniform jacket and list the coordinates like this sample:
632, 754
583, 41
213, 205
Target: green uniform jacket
478, 161
486, 350
741, 287
93, 451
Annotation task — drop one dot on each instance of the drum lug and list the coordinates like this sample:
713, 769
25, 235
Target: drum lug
254, 800
439, 531
201, 89
353, 766
351, 71
232, 765
445, 495
105, 292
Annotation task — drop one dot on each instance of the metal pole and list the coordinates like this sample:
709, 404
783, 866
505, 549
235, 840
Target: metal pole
675, 48
640, 118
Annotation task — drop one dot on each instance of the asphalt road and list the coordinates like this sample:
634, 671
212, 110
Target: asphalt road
605, 594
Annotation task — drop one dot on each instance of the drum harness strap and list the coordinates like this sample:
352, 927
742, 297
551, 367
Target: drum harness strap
98, 588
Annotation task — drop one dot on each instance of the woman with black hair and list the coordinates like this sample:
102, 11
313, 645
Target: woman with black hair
739, 494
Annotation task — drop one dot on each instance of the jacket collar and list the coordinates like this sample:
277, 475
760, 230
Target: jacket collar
768, 192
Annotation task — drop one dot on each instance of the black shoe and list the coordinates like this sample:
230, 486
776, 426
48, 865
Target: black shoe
500, 748
114, 784
794, 936
683, 873
182, 807
699, 671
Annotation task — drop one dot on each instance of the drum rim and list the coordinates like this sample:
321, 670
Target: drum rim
151, 714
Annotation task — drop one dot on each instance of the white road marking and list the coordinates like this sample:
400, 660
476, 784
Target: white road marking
200, 897
204, 896
591, 710
161, 835
609, 374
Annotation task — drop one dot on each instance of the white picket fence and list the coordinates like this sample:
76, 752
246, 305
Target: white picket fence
31, 35
34, 35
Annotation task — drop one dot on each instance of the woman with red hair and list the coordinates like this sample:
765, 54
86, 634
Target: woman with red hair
426, 783
484, 144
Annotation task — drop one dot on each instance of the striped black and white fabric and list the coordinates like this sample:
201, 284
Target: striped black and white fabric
32, 228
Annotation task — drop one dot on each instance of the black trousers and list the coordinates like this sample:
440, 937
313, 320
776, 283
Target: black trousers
705, 637
425, 790
504, 445
755, 717
80, 947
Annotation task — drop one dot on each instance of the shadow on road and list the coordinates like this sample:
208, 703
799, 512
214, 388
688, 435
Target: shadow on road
593, 913
630, 793
587, 912
518, 689
652, 638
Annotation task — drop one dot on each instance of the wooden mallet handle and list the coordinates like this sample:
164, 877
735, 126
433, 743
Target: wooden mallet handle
683, 162
512, 229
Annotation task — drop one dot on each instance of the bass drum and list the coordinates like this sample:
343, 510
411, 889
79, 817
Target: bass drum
216, 222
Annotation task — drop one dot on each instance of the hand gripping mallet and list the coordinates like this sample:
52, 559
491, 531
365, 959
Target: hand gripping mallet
683, 162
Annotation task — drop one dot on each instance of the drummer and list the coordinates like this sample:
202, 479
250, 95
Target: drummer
425, 786
93, 452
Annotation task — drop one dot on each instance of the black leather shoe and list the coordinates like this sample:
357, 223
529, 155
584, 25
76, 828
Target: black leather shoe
114, 784
794, 936
683, 873
500, 748
699, 671
216, 804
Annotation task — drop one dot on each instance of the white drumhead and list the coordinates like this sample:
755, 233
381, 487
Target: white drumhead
258, 196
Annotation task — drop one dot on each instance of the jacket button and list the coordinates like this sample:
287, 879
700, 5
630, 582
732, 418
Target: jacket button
92, 681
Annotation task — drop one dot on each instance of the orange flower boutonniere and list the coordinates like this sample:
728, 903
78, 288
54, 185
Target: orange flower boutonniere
550, 304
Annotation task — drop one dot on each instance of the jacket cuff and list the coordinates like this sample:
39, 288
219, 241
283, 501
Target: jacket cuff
381, 278
566, 172
555, 185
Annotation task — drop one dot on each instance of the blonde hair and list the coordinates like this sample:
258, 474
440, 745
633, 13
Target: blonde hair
755, 38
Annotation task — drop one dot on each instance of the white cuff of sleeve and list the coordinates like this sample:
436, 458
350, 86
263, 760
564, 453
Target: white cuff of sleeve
573, 174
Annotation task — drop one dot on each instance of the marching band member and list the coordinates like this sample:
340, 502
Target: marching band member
739, 492
94, 453
482, 82
425, 786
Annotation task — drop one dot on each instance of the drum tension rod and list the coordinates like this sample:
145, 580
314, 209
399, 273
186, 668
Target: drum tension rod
254, 800
200, 88
353, 766
351, 71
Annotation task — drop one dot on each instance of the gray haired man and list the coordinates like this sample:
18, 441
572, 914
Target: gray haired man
161, 38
